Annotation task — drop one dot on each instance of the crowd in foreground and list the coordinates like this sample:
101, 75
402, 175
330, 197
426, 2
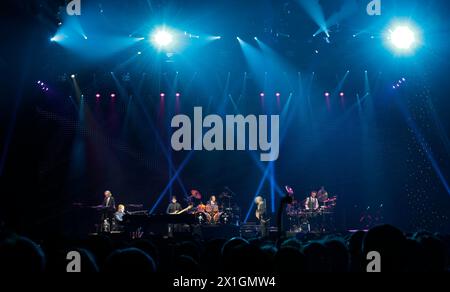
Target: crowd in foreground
400, 252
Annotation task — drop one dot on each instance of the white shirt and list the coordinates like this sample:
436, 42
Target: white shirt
313, 201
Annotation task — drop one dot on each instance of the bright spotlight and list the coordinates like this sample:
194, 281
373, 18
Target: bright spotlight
403, 37
72, 76
162, 38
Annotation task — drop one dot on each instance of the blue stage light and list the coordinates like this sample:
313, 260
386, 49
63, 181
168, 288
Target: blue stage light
162, 38
403, 37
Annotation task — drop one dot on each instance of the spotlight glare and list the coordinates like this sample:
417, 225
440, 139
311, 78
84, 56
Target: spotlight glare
113, 95
327, 94
277, 94
72, 76
162, 38
97, 95
262, 94
162, 94
341, 94
177, 94
402, 37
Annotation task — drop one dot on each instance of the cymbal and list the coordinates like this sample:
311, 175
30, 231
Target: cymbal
196, 194
330, 200
225, 195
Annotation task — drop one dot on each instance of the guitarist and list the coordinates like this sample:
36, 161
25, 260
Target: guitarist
261, 215
174, 207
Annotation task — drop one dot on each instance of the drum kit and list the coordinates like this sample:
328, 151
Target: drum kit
301, 219
214, 213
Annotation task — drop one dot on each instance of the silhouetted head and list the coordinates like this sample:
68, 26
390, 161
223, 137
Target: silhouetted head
390, 243
130, 260
20, 254
435, 254
337, 255
290, 260
316, 257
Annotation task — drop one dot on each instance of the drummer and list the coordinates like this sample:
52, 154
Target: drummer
312, 203
212, 205
212, 208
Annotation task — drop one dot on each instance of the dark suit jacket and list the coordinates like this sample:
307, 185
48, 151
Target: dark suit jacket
111, 205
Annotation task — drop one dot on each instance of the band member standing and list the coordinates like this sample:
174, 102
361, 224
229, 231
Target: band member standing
261, 214
109, 202
108, 209
312, 203
174, 207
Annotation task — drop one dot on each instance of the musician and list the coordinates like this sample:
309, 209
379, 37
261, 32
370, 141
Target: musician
174, 207
312, 203
108, 209
109, 202
261, 214
118, 216
212, 210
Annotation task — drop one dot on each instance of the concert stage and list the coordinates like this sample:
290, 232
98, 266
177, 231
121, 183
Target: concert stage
277, 126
